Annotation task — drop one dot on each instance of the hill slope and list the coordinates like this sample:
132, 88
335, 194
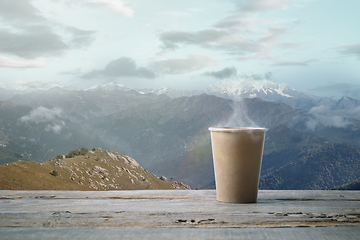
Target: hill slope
325, 167
91, 170
355, 185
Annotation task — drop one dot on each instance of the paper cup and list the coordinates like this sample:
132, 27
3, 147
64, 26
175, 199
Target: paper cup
237, 154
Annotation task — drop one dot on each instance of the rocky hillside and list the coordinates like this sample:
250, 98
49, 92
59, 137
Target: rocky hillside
82, 170
355, 185
325, 167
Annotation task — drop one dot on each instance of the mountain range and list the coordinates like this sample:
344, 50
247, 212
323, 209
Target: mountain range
169, 135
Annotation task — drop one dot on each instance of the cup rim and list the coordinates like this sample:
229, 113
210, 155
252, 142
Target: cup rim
236, 129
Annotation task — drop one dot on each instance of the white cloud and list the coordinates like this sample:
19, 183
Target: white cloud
328, 117
26, 33
230, 40
117, 6
204, 38
235, 21
41, 114
354, 112
9, 63
184, 65
243, 34
14, 11
56, 128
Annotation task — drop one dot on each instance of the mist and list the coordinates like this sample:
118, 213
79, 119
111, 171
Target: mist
41, 114
331, 117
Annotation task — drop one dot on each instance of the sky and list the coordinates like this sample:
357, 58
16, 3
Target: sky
312, 45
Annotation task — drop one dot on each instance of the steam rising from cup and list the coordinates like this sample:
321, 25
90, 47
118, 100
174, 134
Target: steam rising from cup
239, 117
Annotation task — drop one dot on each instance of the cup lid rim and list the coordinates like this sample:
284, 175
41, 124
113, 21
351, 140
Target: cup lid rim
235, 129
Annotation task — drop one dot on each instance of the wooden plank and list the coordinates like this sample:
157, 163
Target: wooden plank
159, 212
334, 233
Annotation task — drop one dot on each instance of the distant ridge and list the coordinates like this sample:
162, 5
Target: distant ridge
249, 88
109, 86
237, 90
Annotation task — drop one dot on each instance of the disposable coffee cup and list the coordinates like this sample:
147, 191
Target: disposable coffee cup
237, 155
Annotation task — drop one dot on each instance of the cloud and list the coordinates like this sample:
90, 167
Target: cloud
9, 63
55, 128
354, 112
27, 34
14, 11
117, 6
295, 63
352, 50
222, 74
121, 67
235, 21
244, 33
41, 114
203, 38
328, 117
268, 75
290, 63
232, 42
183, 65
77, 38
36, 41
255, 77
261, 5
41, 41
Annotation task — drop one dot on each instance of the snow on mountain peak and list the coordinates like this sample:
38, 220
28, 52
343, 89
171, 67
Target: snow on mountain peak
249, 88
109, 86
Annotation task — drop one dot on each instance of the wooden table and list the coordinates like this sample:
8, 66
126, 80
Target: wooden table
178, 214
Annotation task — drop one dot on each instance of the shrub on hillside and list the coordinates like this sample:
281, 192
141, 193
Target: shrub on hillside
76, 152
54, 173
84, 151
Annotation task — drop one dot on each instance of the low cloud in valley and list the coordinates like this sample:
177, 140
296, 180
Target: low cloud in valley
41, 114
330, 117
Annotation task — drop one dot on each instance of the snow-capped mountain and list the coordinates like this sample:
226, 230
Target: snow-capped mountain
263, 89
109, 86
173, 93
249, 88
348, 102
236, 90
8, 91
